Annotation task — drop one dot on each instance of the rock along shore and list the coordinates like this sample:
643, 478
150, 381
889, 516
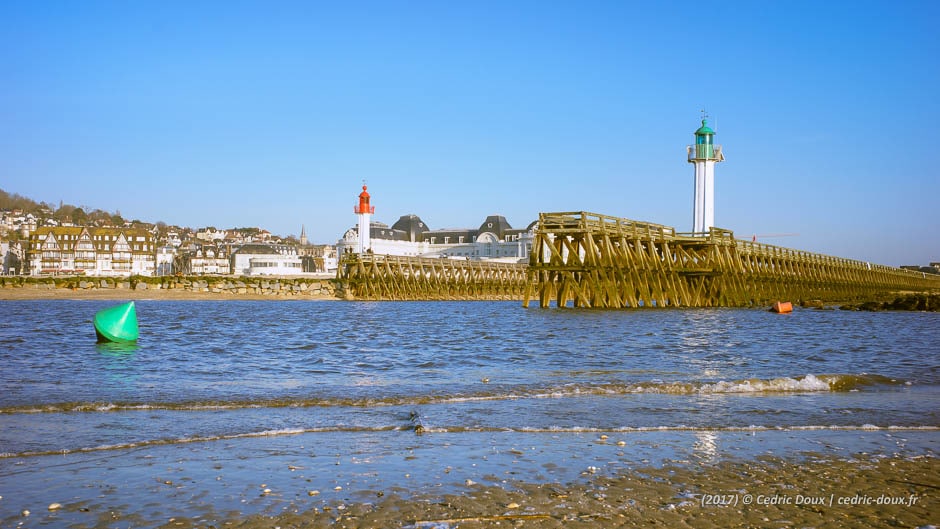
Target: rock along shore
922, 302
138, 287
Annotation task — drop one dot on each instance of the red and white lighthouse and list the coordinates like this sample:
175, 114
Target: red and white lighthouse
365, 211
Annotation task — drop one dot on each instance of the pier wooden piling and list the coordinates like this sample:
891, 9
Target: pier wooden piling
391, 277
592, 260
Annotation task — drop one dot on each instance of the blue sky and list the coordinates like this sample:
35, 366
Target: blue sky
272, 113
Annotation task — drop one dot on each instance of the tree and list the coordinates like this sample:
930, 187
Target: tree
65, 212
15, 201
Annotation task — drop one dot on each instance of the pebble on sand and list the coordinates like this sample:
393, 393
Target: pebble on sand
55, 506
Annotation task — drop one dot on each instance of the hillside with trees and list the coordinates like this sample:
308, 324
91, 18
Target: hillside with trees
63, 213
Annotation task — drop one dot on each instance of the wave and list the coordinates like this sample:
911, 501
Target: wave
460, 429
808, 383
195, 439
780, 385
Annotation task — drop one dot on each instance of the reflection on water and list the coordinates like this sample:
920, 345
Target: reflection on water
118, 362
701, 329
116, 350
705, 447
707, 342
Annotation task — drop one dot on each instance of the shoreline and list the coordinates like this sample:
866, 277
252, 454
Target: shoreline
215, 288
40, 291
765, 492
782, 479
172, 289
22, 294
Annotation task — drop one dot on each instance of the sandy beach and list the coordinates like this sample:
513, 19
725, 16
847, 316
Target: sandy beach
767, 492
176, 294
470, 481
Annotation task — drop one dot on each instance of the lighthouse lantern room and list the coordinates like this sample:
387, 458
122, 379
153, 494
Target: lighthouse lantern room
704, 154
365, 211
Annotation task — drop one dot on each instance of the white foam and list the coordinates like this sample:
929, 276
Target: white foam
807, 383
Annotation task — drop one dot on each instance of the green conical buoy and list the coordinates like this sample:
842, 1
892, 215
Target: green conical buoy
117, 324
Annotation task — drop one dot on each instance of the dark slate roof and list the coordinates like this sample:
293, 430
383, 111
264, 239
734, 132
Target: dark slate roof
412, 226
497, 225
380, 230
259, 249
255, 249
454, 234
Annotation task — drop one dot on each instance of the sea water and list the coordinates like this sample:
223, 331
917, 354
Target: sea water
218, 398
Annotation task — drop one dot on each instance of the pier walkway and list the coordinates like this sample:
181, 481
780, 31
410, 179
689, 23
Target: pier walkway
592, 260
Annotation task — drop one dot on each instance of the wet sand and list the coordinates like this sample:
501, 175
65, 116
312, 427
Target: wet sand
777, 479
767, 492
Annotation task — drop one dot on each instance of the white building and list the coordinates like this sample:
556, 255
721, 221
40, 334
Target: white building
210, 235
494, 239
210, 260
173, 239
164, 260
266, 260
11, 257
92, 251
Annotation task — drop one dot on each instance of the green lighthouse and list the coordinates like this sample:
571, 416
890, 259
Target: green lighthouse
705, 142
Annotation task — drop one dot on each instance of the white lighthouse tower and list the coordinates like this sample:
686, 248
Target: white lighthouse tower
704, 154
365, 211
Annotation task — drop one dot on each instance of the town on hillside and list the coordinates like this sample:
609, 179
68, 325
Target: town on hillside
37, 239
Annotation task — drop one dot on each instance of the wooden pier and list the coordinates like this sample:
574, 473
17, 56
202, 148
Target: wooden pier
390, 277
591, 260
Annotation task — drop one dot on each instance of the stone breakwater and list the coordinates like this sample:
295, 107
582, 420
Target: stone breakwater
242, 286
907, 302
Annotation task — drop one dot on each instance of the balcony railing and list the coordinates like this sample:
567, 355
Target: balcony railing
705, 152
